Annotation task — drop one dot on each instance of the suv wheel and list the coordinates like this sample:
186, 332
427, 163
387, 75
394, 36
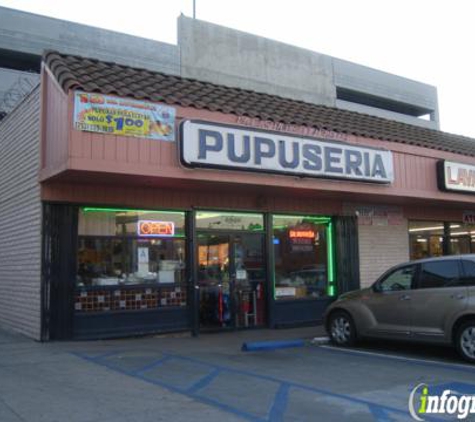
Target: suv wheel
465, 340
342, 329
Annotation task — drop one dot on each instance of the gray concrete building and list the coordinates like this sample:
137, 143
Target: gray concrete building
237, 59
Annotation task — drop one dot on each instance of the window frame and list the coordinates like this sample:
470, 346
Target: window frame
377, 285
128, 240
328, 226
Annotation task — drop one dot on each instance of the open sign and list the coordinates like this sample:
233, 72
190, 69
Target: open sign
153, 228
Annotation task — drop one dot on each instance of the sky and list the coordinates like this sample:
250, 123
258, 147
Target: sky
430, 41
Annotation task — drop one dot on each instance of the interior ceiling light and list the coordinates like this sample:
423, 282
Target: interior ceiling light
423, 229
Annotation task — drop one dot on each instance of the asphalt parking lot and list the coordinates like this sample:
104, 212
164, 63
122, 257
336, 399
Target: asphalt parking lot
210, 379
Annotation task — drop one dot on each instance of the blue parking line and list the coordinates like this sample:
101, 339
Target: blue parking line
227, 408
291, 384
203, 382
279, 404
380, 414
151, 365
277, 408
140, 375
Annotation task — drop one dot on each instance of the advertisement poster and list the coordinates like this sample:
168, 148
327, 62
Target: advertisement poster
123, 117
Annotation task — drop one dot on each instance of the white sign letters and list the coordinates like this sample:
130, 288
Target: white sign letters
230, 147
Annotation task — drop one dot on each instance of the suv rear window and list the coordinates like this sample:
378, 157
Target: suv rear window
440, 274
469, 272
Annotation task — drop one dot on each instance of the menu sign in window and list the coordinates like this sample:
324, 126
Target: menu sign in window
457, 177
302, 239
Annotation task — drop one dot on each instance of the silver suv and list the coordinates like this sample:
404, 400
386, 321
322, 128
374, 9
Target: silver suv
429, 300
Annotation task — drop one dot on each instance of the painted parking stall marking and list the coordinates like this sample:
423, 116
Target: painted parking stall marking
247, 394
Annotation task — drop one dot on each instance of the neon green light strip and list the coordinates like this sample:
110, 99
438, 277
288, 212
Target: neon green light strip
273, 288
286, 226
331, 260
309, 217
93, 209
317, 220
211, 214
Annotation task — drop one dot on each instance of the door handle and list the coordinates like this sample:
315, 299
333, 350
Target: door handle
458, 296
405, 297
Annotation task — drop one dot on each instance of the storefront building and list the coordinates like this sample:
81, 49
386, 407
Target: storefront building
156, 203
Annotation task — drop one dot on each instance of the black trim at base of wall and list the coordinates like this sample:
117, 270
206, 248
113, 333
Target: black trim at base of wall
302, 312
130, 323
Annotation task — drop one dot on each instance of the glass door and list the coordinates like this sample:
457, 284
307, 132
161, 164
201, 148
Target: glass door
231, 280
214, 275
249, 280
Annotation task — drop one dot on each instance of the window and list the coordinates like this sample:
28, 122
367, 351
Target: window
460, 245
302, 257
426, 239
431, 239
469, 273
125, 247
400, 279
439, 274
462, 239
216, 220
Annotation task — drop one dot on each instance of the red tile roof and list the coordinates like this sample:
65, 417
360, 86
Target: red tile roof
73, 72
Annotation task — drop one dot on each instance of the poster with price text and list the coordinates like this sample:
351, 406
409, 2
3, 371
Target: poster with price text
124, 117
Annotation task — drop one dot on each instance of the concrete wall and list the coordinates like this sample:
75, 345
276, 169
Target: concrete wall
20, 218
381, 247
380, 84
225, 56
30, 33
361, 108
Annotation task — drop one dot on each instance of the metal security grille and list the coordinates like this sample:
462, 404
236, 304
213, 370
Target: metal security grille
58, 270
347, 252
